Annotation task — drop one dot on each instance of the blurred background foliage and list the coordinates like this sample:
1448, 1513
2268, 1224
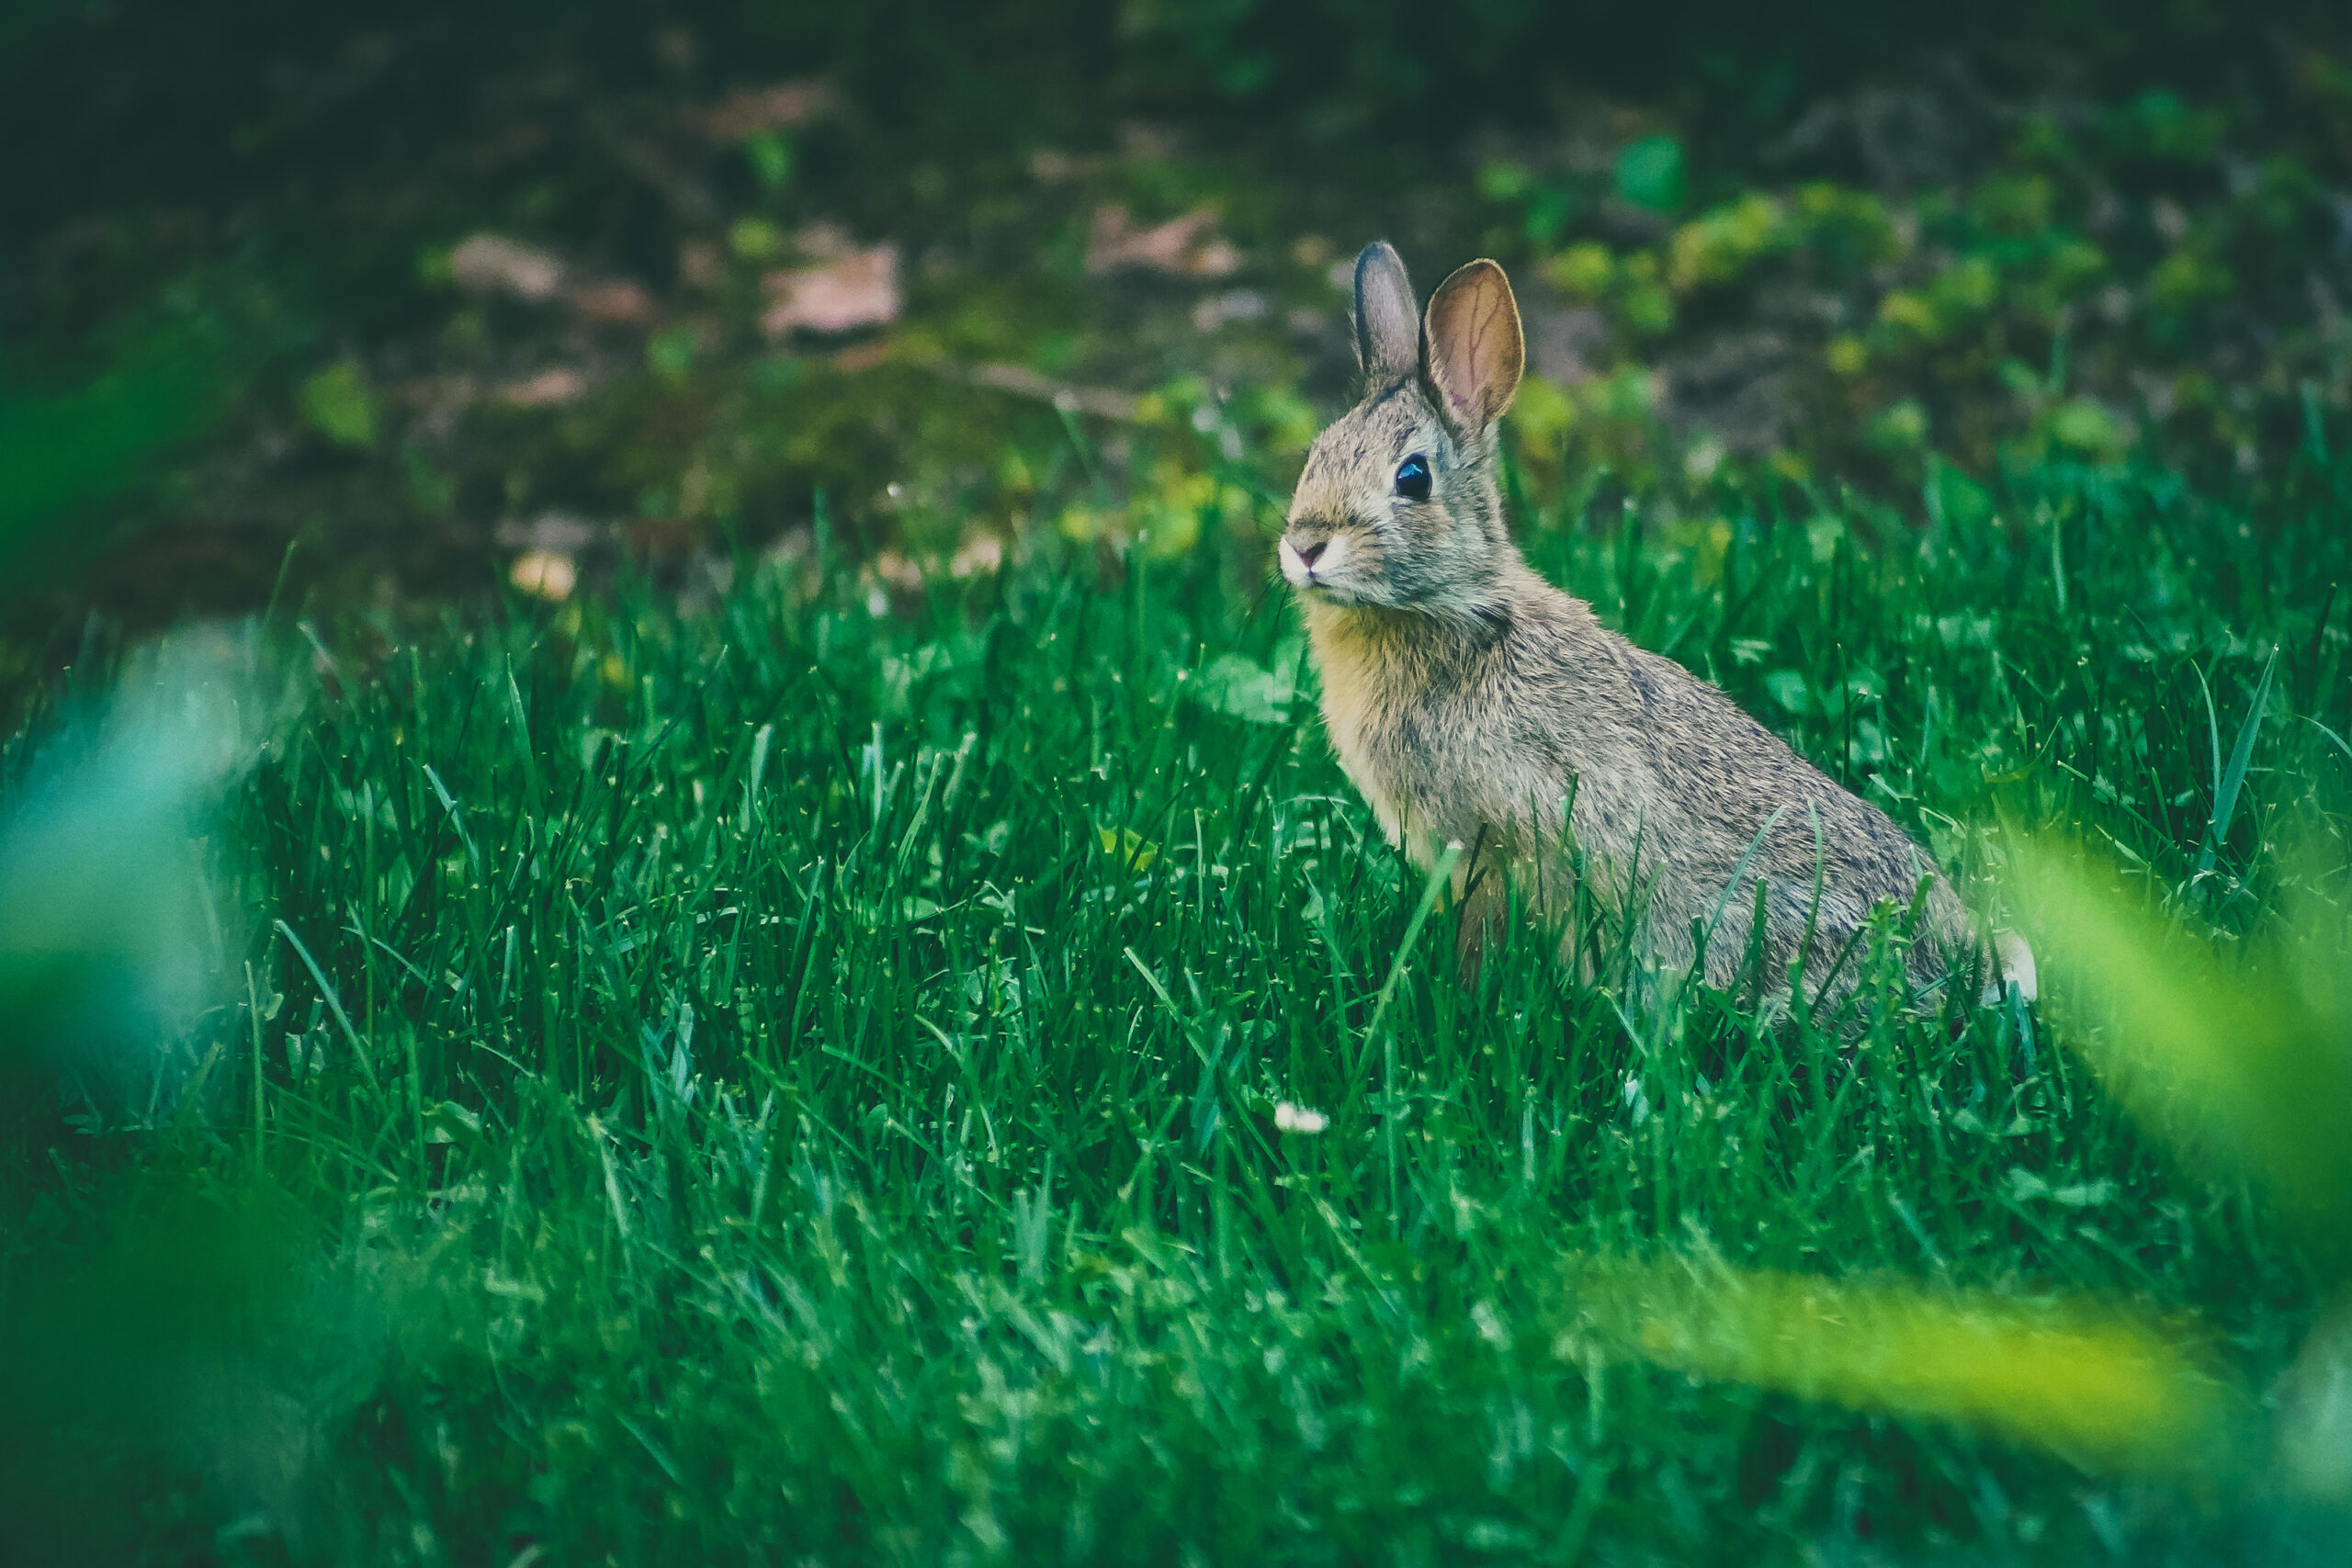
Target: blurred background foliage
447, 295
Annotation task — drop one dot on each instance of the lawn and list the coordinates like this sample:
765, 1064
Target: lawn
669, 890
823, 1079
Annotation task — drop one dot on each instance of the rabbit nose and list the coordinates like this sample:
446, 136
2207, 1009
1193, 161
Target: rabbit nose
1310, 554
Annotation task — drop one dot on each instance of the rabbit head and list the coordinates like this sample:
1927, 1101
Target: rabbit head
1398, 507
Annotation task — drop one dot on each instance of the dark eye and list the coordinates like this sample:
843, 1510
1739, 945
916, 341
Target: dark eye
1413, 478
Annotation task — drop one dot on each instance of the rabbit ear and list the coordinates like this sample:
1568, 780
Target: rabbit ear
1473, 350
1389, 340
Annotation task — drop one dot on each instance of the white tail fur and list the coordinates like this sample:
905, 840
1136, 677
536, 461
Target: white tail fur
2017, 968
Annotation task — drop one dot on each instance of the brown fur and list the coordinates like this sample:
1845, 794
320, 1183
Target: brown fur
1471, 701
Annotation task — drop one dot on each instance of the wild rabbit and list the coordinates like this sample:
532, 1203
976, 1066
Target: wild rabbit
1473, 703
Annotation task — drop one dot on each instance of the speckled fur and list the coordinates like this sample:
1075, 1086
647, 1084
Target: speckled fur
1470, 701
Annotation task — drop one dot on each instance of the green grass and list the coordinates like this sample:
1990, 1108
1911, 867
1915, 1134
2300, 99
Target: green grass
728, 1103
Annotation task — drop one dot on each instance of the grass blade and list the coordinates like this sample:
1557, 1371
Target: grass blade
2226, 783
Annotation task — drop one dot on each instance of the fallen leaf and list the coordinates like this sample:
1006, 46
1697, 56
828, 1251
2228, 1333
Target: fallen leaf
698, 266
546, 574
1103, 402
978, 553
1235, 305
1050, 166
825, 242
492, 264
790, 548
545, 390
550, 533
656, 539
1148, 141
1188, 246
618, 304
860, 290
786, 106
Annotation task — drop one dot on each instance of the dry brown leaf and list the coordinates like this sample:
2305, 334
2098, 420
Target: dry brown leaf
492, 264
698, 264
546, 390
786, 106
1049, 166
860, 290
545, 574
1188, 246
978, 553
1103, 402
1234, 305
617, 304
823, 241
554, 533
655, 539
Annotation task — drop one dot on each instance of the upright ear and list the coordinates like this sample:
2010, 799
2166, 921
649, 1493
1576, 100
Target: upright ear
1472, 348
1388, 339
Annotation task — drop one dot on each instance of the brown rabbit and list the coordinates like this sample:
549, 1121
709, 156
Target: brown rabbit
1473, 703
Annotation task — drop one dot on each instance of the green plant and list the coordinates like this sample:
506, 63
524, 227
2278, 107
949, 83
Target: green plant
797, 1079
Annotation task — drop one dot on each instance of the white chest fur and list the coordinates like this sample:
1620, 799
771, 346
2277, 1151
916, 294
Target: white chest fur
1358, 715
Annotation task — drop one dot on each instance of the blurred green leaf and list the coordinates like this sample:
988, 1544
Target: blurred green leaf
1129, 847
754, 239
671, 355
770, 156
2239, 1062
156, 1328
339, 402
1502, 180
1548, 213
59, 452
1722, 243
2101, 1388
1234, 683
1900, 427
1790, 689
101, 906
1954, 498
1649, 174
2088, 427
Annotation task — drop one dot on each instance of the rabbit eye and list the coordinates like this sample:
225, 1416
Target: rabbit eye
1413, 478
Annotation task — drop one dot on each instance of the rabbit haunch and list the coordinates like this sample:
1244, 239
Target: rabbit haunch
1473, 703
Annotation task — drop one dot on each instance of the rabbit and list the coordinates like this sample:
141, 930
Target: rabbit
1474, 704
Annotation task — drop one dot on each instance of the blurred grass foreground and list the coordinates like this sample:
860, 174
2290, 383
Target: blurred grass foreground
670, 892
